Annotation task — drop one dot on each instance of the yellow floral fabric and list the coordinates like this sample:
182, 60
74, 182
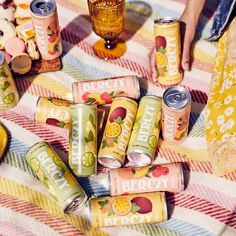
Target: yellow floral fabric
221, 107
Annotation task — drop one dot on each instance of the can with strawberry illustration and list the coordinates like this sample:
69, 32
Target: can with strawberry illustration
176, 106
127, 210
53, 111
83, 139
46, 26
56, 177
117, 132
104, 91
145, 133
163, 177
168, 51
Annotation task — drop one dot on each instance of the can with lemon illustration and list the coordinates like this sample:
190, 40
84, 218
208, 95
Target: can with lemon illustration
145, 133
168, 51
9, 96
56, 177
83, 139
117, 132
53, 111
129, 209
152, 178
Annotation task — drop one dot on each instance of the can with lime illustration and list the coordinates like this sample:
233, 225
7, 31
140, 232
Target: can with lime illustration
117, 132
53, 111
83, 139
145, 133
9, 96
56, 177
129, 209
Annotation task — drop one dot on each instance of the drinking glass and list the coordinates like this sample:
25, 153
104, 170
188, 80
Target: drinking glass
107, 18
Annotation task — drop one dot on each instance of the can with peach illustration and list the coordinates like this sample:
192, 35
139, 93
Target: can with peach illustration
104, 91
46, 26
176, 106
117, 132
168, 51
56, 177
127, 210
53, 111
153, 178
83, 139
145, 133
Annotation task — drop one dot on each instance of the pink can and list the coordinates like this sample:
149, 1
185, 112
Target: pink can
104, 91
153, 178
46, 26
176, 106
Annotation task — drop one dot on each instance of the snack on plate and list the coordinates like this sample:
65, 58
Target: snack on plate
7, 13
18, 2
20, 21
15, 46
32, 49
21, 63
25, 30
3, 141
7, 31
22, 11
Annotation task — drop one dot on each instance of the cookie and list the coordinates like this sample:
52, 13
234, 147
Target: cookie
32, 49
7, 13
7, 31
22, 11
15, 46
25, 30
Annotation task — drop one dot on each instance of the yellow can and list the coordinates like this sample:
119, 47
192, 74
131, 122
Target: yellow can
129, 209
117, 132
168, 51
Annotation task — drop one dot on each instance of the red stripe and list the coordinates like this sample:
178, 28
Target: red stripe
203, 206
40, 215
36, 128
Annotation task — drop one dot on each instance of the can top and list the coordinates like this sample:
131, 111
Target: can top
42, 7
152, 97
176, 97
73, 106
2, 58
165, 20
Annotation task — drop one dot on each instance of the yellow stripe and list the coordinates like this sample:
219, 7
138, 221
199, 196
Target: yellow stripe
196, 155
52, 85
22, 192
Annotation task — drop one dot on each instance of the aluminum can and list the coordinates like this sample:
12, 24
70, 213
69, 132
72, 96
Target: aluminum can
127, 210
153, 178
104, 91
56, 177
168, 51
9, 96
46, 26
145, 133
53, 111
83, 140
117, 132
176, 106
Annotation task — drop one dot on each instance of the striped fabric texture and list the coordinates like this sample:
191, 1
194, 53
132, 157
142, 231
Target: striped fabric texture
207, 206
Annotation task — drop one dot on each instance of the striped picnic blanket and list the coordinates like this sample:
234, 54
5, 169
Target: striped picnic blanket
206, 207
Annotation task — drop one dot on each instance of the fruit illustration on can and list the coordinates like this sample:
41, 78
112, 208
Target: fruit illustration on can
104, 91
167, 43
117, 132
129, 209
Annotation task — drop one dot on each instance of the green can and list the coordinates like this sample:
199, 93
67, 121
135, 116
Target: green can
145, 133
56, 177
9, 96
83, 140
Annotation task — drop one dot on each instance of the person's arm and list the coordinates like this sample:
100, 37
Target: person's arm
190, 18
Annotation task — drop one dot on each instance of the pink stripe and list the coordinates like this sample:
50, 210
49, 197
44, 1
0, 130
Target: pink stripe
9, 229
211, 195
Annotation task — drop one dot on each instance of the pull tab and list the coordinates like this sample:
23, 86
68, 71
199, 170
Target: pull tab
176, 98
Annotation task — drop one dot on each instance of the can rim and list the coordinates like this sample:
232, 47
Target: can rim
69, 204
165, 20
152, 96
164, 209
180, 88
182, 184
138, 86
31, 147
37, 110
138, 153
109, 157
81, 105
